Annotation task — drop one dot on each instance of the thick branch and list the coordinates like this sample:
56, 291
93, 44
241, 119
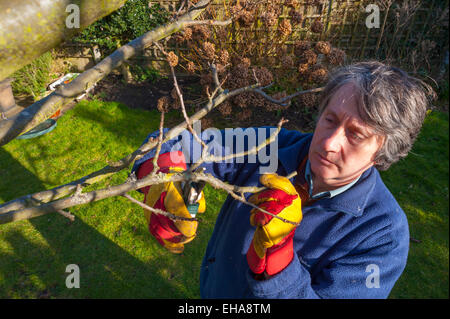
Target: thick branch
67, 189
119, 190
43, 109
50, 200
29, 28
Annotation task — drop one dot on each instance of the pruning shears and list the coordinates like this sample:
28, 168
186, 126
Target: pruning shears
192, 193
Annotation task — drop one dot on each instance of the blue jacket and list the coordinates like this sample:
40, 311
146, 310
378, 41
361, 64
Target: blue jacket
353, 245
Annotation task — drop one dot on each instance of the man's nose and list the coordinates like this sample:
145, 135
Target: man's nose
333, 142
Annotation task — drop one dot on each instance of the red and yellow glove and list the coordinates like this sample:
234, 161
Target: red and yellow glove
271, 249
168, 197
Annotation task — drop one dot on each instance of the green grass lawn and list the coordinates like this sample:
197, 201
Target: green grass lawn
109, 240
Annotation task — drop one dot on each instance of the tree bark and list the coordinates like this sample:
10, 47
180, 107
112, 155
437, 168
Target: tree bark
29, 28
43, 109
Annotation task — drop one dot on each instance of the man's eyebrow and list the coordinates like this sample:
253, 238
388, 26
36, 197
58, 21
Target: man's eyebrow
362, 129
328, 111
358, 125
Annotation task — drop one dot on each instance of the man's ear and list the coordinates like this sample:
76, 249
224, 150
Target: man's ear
380, 140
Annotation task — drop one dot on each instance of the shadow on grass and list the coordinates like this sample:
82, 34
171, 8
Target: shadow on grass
33, 264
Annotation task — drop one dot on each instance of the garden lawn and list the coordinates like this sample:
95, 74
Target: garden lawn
420, 184
109, 240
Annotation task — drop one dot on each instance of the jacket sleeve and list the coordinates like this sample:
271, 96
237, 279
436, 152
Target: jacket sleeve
369, 271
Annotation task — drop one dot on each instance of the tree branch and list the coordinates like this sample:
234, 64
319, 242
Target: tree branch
43, 109
158, 211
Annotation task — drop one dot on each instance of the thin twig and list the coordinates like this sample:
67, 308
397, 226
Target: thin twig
158, 147
287, 98
209, 22
66, 214
158, 211
183, 108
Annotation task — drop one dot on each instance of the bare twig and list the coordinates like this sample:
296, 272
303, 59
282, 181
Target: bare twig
158, 211
287, 98
209, 22
158, 147
66, 214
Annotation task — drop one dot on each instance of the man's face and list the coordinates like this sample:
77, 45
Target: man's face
343, 146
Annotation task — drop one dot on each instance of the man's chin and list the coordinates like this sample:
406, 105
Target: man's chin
323, 173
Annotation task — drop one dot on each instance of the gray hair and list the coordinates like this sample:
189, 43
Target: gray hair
390, 101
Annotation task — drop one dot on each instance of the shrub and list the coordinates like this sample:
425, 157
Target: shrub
261, 42
129, 22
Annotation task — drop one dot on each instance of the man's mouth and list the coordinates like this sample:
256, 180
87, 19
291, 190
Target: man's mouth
323, 160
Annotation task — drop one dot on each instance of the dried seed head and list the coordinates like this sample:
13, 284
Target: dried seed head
318, 74
209, 49
285, 28
246, 18
317, 26
225, 108
201, 32
191, 67
238, 59
296, 17
163, 104
237, 81
336, 57
245, 114
206, 123
187, 34
287, 62
241, 100
301, 46
307, 100
224, 56
172, 58
246, 62
308, 56
303, 68
263, 75
323, 47
269, 18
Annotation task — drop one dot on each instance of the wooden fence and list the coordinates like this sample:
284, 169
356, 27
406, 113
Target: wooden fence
405, 27
411, 33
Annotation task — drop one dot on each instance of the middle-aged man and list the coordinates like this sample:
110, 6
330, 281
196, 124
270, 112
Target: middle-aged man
352, 239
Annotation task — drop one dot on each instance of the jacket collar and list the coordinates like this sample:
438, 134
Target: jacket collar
353, 201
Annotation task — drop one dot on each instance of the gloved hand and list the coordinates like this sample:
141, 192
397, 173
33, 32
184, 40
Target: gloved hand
169, 197
271, 249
